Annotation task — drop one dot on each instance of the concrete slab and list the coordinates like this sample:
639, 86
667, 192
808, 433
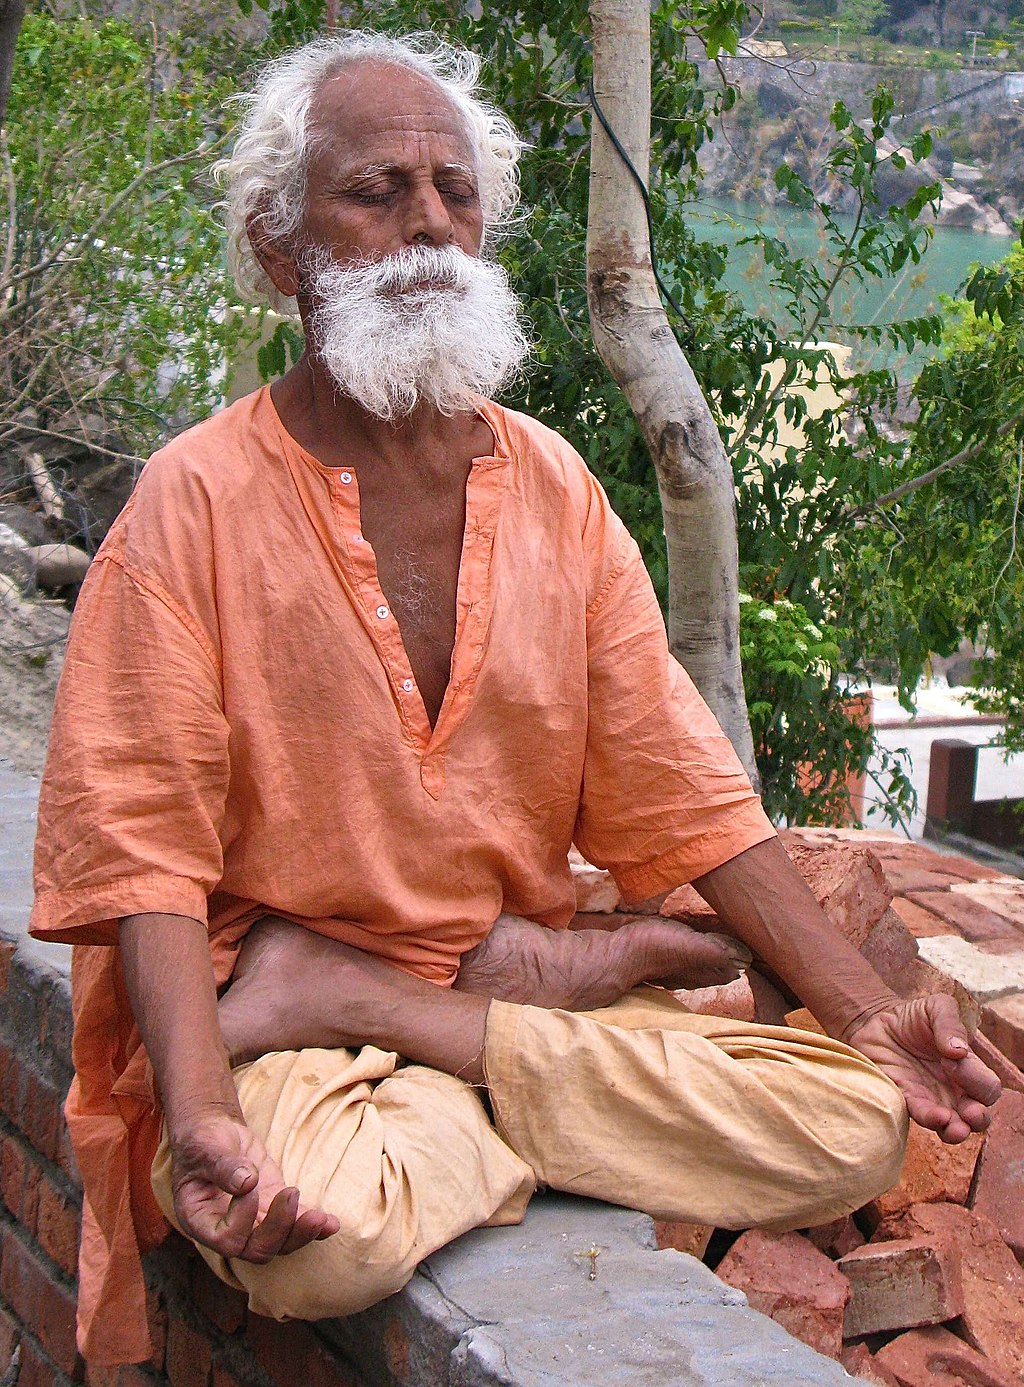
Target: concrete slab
518, 1305
19, 796
985, 976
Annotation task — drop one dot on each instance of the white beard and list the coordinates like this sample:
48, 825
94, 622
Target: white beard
430, 325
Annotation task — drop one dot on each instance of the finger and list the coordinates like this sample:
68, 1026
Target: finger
273, 1230
312, 1225
973, 1076
225, 1228
926, 1112
976, 1115
951, 1038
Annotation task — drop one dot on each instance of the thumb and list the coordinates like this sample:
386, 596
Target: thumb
950, 1034
233, 1173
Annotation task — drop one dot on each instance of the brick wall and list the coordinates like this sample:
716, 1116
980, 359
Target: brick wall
203, 1333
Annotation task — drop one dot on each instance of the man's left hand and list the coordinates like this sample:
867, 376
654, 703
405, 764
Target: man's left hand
923, 1046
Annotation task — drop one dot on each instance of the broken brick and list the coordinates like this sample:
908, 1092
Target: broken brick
920, 921
891, 949
1002, 1020
901, 1284
595, 889
993, 1282
936, 1358
691, 909
932, 1173
998, 1186
692, 1238
848, 883
1003, 1068
732, 999
837, 1238
971, 920
787, 1278
1004, 895
861, 1363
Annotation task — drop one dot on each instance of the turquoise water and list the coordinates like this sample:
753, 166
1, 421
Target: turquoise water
915, 291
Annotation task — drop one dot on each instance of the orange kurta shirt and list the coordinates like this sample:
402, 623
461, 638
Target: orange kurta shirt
238, 731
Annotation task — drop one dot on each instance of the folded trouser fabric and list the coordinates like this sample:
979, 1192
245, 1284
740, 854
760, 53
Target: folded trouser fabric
642, 1104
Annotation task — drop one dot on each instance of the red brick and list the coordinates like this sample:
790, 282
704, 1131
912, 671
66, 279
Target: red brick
683, 1237
860, 1363
291, 1353
10, 1085
10, 1333
1002, 1020
901, 1284
788, 1279
7, 948
35, 1369
189, 1358
932, 1173
1002, 1067
156, 1321
920, 921
909, 879
936, 1358
692, 909
848, 884
970, 919
40, 1302
891, 950
732, 999
222, 1305
998, 1187
58, 1224
130, 1376
222, 1378
992, 1280
42, 1115
837, 1238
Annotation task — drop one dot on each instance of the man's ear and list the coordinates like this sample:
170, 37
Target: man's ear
276, 259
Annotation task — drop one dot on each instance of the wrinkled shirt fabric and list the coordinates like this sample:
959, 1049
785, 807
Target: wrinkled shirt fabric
238, 732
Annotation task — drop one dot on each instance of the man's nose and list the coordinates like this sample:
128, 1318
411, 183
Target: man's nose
428, 220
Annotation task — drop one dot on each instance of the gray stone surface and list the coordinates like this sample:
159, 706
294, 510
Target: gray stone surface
19, 795
515, 1307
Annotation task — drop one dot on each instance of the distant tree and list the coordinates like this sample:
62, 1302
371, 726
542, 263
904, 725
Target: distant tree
112, 288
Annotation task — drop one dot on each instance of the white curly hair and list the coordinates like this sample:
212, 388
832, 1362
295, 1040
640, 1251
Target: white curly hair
264, 177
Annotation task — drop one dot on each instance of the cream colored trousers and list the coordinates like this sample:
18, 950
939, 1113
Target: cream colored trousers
642, 1104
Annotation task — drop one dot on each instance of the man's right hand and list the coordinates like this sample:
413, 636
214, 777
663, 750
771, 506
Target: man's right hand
230, 1196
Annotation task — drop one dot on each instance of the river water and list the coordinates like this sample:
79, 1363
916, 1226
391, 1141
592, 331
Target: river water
942, 270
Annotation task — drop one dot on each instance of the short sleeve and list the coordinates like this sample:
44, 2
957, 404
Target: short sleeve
133, 794
664, 797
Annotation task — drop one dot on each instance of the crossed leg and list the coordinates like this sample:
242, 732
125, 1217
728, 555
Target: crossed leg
639, 1103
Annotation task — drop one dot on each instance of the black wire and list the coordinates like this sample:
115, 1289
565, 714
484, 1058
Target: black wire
617, 146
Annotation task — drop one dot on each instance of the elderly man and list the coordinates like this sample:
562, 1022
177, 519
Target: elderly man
362, 657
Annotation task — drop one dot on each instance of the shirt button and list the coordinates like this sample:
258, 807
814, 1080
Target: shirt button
408, 685
383, 613
357, 539
346, 477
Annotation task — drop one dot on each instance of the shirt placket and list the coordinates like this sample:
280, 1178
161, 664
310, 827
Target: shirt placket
358, 556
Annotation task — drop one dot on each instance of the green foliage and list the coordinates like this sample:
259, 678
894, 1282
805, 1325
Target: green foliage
112, 299
804, 721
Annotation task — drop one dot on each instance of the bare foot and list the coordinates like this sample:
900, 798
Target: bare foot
295, 990
579, 970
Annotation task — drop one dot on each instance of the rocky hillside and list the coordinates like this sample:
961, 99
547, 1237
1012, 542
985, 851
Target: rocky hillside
782, 116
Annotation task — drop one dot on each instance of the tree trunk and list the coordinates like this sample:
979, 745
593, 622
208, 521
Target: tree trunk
637, 345
12, 12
